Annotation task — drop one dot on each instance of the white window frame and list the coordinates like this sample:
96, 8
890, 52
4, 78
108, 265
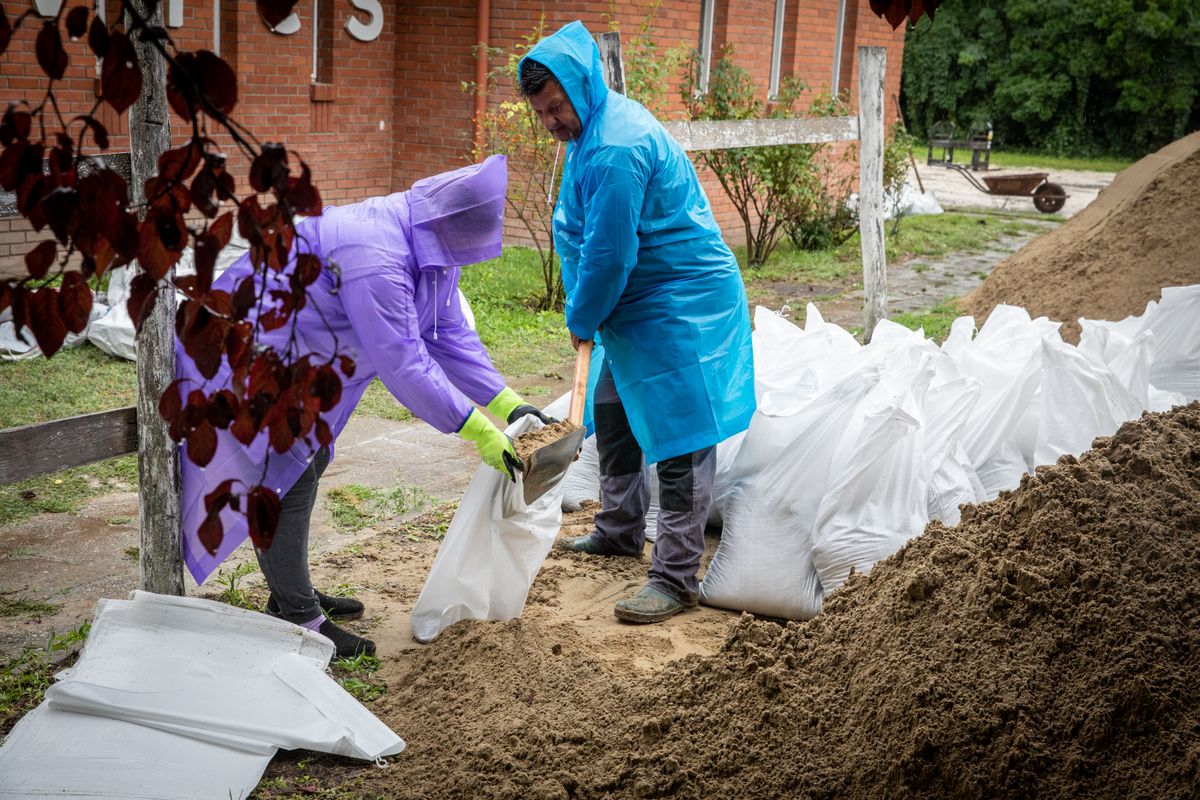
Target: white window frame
777, 50
707, 13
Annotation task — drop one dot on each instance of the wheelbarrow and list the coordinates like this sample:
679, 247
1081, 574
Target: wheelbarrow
1047, 197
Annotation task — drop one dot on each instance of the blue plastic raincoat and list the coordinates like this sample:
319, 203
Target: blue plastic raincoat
644, 263
397, 313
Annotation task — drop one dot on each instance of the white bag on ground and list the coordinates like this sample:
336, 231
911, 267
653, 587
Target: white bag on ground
492, 551
582, 481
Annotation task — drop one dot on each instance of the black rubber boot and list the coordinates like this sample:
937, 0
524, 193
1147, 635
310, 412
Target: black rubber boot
338, 609
348, 645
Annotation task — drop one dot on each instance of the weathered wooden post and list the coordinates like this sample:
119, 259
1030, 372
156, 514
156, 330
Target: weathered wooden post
160, 561
872, 62
610, 58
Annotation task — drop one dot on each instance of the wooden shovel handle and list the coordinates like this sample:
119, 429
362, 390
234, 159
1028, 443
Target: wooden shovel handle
583, 360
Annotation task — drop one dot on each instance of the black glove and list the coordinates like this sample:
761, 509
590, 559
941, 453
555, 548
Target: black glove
528, 410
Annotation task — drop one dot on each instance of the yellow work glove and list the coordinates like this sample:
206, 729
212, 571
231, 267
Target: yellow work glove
494, 447
509, 407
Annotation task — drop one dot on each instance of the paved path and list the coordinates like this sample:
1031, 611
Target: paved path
953, 190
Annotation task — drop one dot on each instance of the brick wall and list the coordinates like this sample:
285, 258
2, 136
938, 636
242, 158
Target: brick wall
392, 110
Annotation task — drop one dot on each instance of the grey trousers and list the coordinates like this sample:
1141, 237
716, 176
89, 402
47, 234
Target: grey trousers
285, 564
685, 491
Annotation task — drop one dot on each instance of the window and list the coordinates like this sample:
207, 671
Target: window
777, 50
707, 12
322, 41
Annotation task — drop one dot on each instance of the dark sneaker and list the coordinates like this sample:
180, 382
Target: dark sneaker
592, 544
339, 609
347, 644
647, 606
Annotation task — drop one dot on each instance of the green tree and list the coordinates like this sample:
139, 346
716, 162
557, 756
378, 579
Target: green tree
1084, 77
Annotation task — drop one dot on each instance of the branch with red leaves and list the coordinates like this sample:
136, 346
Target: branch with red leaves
88, 213
896, 11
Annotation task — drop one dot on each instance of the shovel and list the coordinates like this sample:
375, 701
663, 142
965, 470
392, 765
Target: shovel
545, 467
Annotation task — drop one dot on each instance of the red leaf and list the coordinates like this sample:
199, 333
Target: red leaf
177, 165
223, 409
125, 238
324, 435
16, 124
244, 428
5, 31
77, 19
222, 229
211, 532
6, 292
75, 301
204, 186
45, 321
244, 297
219, 497
39, 259
274, 12
206, 252
50, 54
217, 81
162, 238
328, 387
202, 444
203, 338
170, 404
308, 268
120, 76
262, 515
143, 292
269, 169
302, 195
347, 366
98, 38
273, 320
99, 132
237, 344
61, 210
11, 164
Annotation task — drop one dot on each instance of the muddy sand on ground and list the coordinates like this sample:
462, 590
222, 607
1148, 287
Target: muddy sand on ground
1047, 646
1142, 233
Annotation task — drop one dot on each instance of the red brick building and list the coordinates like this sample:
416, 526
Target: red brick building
370, 92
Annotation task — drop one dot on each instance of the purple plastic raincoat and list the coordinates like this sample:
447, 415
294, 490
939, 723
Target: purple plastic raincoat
397, 314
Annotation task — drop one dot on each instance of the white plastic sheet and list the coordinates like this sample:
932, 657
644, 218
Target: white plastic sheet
199, 695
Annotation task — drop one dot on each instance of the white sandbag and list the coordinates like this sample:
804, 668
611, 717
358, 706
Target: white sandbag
1079, 400
763, 563
492, 551
12, 348
877, 495
953, 485
113, 333
1176, 326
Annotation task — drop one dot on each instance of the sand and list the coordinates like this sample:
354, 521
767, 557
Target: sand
1142, 233
1045, 647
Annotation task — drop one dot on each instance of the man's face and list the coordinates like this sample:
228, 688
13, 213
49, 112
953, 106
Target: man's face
555, 112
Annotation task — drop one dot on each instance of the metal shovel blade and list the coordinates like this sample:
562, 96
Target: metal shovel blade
547, 465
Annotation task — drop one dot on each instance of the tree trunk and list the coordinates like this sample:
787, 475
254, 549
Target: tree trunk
160, 560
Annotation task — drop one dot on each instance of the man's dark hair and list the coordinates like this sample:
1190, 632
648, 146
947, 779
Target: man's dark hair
534, 76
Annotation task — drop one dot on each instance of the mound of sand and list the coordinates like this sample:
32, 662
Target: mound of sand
1142, 233
1046, 647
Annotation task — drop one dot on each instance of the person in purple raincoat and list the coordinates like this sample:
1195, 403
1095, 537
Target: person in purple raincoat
397, 313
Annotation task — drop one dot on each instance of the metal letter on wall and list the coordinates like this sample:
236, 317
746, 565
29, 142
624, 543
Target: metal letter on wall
370, 31
288, 26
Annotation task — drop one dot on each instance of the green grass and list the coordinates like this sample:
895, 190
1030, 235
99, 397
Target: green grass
429, 526
21, 607
928, 236
231, 592
936, 322
356, 675
354, 507
67, 491
1012, 159
73, 382
377, 401
503, 293
25, 679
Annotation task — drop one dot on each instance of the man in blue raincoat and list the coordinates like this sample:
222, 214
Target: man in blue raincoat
644, 265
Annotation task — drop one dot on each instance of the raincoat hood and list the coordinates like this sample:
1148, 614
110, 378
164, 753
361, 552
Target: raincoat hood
457, 218
572, 55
